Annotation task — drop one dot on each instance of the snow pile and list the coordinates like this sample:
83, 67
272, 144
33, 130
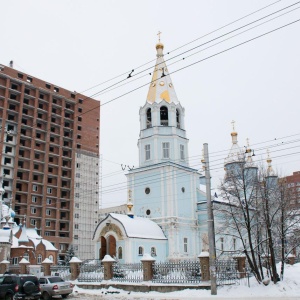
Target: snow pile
289, 288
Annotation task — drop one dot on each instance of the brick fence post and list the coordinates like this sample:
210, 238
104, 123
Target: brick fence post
107, 264
74, 266
47, 263
23, 265
204, 265
241, 265
291, 259
147, 262
4, 266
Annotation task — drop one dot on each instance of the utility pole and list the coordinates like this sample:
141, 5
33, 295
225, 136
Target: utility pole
210, 224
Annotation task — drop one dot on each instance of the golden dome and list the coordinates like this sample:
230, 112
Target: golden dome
159, 46
233, 133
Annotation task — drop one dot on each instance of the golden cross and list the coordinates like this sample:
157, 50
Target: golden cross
159, 33
233, 124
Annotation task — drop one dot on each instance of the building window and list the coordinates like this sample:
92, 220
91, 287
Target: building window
34, 187
79, 109
77, 216
48, 223
147, 152
185, 245
48, 201
234, 244
76, 237
182, 152
178, 118
79, 119
149, 118
33, 199
76, 226
33, 210
39, 259
32, 222
15, 260
120, 253
77, 195
78, 175
77, 184
166, 150
164, 119
80, 101
153, 251
51, 257
147, 190
141, 251
76, 205
49, 190
222, 243
48, 212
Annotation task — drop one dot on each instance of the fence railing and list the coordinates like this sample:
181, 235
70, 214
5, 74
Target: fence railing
177, 272
227, 272
128, 272
62, 271
91, 271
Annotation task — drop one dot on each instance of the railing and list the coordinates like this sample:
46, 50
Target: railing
62, 271
128, 272
91, 271
226, 272
177, 272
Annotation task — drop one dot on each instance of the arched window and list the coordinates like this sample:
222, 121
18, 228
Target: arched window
153, 251
178, 118
51, 257
164, 118
149, 118
141, 250
26, 256
120, 253
39, 259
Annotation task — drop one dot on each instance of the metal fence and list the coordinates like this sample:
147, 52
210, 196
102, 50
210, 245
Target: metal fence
128, 272
62, 271
185, 272
91, 271
226, 272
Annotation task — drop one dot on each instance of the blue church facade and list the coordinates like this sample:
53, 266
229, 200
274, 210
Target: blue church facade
164, 190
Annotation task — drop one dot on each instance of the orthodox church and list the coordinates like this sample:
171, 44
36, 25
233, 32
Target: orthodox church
163, 192
166, 206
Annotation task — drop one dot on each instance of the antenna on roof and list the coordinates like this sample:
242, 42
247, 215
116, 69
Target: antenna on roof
11, 64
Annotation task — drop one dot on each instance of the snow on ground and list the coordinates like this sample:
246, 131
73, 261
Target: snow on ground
287, 289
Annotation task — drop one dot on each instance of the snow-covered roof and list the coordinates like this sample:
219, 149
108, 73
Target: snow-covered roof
4, 236
48, 245
32, 233
138, 227
135, 227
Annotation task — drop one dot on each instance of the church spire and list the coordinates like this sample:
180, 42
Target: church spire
270, 171
161, 86
235, 154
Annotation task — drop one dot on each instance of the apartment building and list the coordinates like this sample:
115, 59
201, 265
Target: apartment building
293, 182
49, 156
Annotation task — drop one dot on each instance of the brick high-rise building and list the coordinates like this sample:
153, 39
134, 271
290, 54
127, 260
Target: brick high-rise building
293, 182
49, 159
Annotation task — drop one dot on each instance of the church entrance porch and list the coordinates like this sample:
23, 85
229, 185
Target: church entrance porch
108, 246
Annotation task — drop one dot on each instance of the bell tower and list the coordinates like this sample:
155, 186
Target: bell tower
162, 132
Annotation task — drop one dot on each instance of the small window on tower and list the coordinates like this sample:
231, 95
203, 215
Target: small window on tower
164, 118
149, 118
147, 152
178, 118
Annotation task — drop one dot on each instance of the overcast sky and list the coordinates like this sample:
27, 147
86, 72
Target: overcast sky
79, 44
